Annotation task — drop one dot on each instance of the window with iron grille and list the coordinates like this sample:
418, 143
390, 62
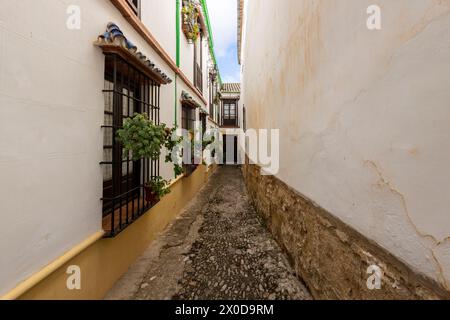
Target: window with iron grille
127, 91
135, 5
188, 118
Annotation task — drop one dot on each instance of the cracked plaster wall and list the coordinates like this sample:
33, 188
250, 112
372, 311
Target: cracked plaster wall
364, 115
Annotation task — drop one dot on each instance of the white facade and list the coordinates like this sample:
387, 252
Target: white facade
51, 113
364, 115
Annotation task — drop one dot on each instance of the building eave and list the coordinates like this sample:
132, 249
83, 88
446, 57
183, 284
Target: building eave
240, 28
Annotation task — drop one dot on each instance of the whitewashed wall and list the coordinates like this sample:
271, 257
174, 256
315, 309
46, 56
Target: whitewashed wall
51, 111
364, 115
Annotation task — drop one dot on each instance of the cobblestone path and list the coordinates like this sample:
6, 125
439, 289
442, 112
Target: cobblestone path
218, 249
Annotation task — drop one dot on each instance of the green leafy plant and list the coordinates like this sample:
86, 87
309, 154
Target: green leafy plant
156, 189
170, 144
142, 138
178, 170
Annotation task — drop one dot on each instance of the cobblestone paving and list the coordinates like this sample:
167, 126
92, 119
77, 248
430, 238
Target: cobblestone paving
218, 249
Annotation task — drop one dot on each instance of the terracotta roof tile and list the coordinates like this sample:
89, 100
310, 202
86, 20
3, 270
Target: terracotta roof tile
115, 37
231, 88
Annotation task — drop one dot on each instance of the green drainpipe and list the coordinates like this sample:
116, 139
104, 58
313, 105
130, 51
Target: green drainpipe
178, 26
211, 40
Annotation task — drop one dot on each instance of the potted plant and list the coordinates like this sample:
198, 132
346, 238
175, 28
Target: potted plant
155, 190
190, 15
141, 138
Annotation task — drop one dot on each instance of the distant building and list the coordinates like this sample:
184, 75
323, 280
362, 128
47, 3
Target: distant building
231, 121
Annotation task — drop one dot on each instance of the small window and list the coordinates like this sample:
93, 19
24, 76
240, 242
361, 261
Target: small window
136, 6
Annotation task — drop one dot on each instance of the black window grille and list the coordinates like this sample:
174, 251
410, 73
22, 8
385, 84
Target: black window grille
188, 118
127, 91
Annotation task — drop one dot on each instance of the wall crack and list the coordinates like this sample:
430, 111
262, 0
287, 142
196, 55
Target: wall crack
436, 242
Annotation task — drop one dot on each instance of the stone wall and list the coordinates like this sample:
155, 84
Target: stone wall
330, 257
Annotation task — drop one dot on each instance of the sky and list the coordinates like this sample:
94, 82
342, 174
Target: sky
223, 16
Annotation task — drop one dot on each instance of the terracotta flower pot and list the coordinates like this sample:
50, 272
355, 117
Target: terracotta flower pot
150, 196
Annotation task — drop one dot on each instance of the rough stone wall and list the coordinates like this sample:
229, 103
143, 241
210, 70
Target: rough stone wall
330, 257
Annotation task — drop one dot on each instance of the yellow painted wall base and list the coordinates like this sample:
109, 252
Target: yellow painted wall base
104, 262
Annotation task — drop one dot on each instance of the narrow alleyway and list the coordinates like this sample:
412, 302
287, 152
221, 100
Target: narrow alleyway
217, 249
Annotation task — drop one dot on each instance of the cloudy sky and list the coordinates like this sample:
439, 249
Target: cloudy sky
223, 16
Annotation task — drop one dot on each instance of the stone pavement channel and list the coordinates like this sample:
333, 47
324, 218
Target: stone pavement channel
218, 249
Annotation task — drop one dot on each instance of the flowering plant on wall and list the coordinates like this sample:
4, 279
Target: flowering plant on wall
190, 14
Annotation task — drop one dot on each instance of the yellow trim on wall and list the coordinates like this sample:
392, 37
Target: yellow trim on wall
103, 261
52, 267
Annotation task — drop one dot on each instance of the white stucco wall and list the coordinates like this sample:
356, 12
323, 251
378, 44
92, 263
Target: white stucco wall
364, 115
51, 112
159, 17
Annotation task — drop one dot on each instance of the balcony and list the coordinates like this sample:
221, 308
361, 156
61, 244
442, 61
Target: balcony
230, 115
230, 123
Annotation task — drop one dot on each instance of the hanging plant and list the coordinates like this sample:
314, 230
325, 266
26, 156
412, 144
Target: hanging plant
191, 27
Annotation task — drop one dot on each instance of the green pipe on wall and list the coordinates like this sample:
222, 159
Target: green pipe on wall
177, 23
211, 39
